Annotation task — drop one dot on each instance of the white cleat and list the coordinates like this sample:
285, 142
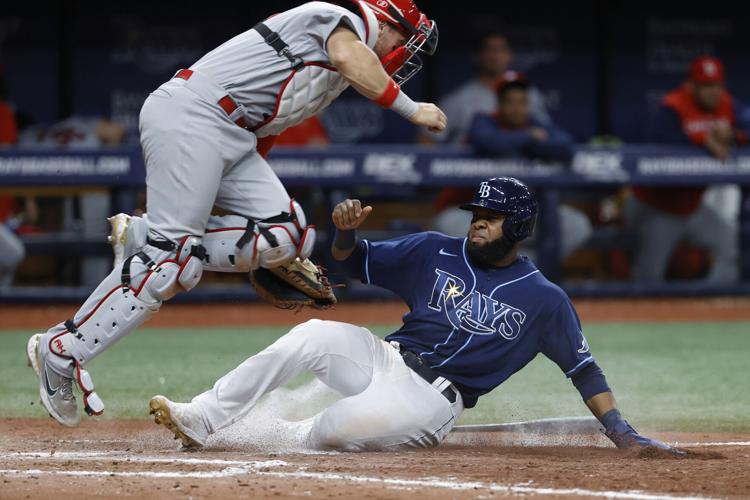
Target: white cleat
55, 391
118, 236
186, 425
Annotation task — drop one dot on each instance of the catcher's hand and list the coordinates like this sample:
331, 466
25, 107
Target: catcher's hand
293, 286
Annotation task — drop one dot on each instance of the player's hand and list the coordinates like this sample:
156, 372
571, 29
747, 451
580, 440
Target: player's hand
539, 134
349, 214
718, 148
723, 133
430, 116
624, 436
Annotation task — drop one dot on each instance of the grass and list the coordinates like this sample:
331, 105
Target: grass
675, 376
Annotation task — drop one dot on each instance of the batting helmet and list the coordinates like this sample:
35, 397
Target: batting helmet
512, 198
421, 33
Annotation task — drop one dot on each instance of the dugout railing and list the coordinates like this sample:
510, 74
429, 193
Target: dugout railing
337, 170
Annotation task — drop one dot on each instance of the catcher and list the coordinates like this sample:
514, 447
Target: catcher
204, 134
478, 313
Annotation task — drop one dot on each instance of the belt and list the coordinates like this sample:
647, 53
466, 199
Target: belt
442, 384
226, 103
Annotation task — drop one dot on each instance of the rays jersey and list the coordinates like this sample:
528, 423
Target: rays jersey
473, 326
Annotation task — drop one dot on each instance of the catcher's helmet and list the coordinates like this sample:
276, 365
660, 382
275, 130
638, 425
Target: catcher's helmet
421, 34
512, 198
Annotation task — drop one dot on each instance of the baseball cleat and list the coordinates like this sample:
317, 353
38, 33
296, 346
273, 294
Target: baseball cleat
118, 236
186, 426
55, 391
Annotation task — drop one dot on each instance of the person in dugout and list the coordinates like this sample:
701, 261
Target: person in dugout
701, 112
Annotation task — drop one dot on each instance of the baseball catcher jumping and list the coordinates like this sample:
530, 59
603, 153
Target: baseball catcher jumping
478, 313
204, 134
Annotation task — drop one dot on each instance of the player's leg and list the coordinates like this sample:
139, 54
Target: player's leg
252, 192
575, 229
182, 169
339, 354
657, 234
12, 253
711, 230
398, 409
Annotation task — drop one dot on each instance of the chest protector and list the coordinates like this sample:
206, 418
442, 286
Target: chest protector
311, 85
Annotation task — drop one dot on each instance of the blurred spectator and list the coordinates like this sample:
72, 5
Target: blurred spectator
308, 133
700, 112
11, 246
81, 212
512, 132
493, 57
8, 126
15, 219
75, 132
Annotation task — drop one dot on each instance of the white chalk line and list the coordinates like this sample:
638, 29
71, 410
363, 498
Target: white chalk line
228, 472
259, 468
129, 457
698, 445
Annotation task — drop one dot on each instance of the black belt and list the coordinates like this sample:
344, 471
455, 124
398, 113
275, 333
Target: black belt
418, 365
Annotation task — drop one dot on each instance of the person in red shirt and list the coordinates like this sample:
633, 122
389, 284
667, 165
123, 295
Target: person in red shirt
703, 113
11, 248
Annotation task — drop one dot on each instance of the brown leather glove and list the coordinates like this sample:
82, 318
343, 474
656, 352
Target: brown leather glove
296, 285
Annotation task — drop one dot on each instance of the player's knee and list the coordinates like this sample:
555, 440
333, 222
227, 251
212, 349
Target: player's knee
277, 241
315, 332
14, 253
174, 275
330, 433
308, 328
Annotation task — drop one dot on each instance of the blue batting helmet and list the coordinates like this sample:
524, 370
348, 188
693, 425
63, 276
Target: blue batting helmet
512, 198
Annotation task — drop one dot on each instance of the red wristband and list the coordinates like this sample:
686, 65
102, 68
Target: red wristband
389, 95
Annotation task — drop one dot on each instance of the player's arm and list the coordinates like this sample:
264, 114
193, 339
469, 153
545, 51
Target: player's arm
592, 385
347, 217
361, 67
565, 344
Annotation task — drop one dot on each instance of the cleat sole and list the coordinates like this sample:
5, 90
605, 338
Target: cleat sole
160, 410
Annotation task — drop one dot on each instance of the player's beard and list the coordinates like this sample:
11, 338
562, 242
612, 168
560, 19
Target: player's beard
489, 254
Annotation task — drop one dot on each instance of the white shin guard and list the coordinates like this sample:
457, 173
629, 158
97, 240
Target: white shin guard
235, 244
130, 295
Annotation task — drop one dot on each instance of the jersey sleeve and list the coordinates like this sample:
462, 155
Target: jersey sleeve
563, 342
322, 20
395, 264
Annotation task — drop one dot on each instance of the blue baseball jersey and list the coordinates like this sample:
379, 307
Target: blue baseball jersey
474, 326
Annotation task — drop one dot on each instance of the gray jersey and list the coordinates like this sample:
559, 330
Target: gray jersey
256, 76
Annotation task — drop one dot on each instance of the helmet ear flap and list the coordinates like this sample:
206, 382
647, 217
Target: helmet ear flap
519, 226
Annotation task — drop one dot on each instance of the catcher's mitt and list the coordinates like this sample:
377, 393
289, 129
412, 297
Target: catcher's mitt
298, 284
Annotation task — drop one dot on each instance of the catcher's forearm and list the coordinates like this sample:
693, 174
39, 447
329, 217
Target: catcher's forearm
343, 244
357, 63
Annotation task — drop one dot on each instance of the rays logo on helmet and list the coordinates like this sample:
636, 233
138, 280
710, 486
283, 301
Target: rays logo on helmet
484, 190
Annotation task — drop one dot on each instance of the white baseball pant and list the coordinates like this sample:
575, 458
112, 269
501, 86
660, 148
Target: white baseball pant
385, 404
